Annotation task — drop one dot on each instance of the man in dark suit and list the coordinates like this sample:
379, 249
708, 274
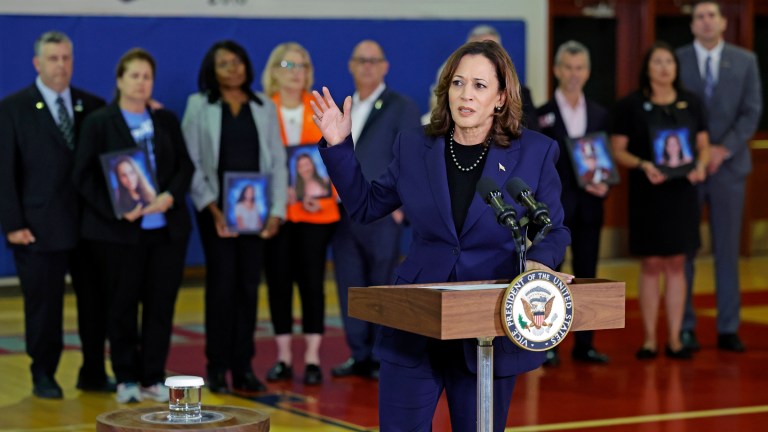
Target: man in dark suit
366, 255
570, 115
727, 80
39, 214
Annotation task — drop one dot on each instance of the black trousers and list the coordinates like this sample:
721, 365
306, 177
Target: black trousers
232, 275
148, 274
585, 221
42, 284
91, 293
297, 254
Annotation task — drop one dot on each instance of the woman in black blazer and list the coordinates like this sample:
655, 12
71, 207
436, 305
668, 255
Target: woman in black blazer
142, 250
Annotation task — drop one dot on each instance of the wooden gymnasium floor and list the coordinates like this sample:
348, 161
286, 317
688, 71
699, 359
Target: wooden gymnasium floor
716, 391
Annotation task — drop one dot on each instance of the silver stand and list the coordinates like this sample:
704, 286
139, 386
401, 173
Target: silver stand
484, 384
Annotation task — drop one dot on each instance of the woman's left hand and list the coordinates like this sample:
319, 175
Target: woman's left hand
533, 265
270, 228
160, 204
334, 124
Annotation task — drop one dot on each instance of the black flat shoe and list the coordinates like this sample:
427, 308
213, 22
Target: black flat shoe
681, 354
217, 383
689, 340
106, 385
730, 342
646, 354
280, 372
46, 387
590, 356
313, 375
352, 367
552, 359
247, 383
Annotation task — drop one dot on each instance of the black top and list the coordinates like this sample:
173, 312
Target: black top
239, 149
461, 184
664, 218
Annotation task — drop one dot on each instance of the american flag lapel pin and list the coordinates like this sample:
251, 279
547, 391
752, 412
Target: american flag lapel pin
501, 167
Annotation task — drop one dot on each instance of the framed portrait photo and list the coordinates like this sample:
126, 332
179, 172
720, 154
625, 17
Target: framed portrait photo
307, 175
592, 160
673, 153
130, 179
246, 201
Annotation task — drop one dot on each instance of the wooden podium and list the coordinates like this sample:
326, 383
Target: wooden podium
446, 314
436, 311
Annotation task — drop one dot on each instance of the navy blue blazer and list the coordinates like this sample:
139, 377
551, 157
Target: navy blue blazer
391, 113
551, 124
417, 180
36, 190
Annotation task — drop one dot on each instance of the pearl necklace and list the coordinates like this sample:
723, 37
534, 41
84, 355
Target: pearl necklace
477, 162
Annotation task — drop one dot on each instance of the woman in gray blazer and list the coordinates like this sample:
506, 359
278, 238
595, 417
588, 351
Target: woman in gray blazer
230, 129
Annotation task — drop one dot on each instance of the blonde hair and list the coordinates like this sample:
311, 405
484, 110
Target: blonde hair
268, 80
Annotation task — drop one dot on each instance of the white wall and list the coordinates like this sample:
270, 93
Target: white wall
533, 12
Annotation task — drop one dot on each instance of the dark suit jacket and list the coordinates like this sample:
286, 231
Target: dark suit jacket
552, 125
391, 113
36, 191
417, 180
734, 111
105, 131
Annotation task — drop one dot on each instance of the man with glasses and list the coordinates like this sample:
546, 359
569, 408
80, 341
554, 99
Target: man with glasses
366, 255
39, 214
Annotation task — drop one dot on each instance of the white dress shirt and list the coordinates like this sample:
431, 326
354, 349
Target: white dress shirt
361, 109
50, 96
701, 57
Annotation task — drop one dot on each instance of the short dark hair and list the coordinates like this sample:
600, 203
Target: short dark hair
507, 122
52, 36
645, 79
712, 2
206, 79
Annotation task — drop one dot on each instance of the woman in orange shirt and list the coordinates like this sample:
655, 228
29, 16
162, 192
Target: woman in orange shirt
298, 252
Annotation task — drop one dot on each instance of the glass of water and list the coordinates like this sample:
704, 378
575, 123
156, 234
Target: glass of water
184, 398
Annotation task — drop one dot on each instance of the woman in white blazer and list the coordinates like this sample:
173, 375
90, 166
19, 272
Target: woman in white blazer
230, 129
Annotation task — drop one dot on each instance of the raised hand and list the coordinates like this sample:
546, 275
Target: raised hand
334, 124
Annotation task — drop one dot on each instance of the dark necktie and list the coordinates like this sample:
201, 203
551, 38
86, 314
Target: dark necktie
709, 79
65, 124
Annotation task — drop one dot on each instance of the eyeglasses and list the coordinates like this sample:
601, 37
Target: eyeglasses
370, 60
291, 65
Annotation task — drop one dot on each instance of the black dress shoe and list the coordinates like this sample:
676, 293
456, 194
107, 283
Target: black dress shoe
730, 342
681, 354
217, 382
363, 368
646, 354
46, 387
247, 383
552, 359
313, 375
280, 372
589, 356
689, 340
105, 385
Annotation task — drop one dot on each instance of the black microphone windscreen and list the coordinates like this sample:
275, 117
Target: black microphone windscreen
515, 186
485, 186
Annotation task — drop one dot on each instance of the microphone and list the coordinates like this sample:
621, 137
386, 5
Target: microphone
505, 214
521, 193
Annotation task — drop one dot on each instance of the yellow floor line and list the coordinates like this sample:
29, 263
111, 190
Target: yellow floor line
642, 419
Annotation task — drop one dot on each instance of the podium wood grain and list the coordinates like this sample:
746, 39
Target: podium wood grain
443, 314
238, 419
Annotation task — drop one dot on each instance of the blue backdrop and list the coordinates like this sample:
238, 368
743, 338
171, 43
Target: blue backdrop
414, 48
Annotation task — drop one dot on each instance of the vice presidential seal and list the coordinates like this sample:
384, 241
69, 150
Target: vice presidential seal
537, 310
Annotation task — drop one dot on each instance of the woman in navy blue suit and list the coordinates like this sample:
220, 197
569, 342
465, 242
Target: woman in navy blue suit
475, 131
